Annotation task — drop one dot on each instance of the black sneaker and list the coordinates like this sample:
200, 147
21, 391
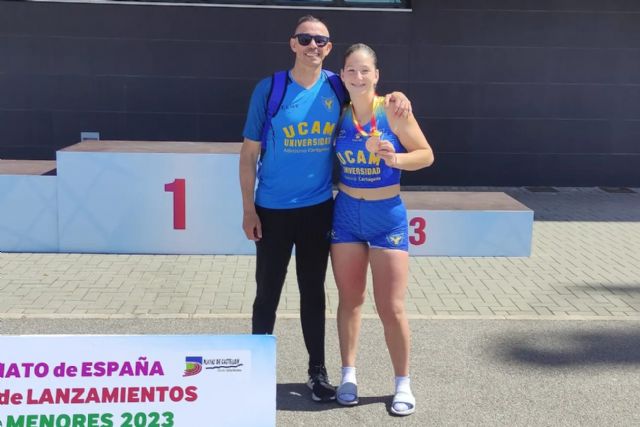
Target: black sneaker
321, 389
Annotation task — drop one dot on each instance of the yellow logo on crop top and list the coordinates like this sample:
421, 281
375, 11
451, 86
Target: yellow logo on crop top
361, 157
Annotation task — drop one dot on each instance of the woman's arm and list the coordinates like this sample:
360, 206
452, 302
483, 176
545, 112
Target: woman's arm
419, 153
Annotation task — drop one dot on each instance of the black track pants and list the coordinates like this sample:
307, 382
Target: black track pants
308, 229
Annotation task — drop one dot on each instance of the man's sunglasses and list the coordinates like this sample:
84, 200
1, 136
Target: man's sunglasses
305, 39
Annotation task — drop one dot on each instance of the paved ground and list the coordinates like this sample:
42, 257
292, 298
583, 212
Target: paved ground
547, 340
585, 264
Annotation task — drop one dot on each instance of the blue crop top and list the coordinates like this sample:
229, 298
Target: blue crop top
360, 168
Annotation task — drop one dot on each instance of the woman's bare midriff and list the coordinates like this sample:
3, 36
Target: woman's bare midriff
370, 193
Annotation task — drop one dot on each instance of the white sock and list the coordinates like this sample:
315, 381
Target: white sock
403, 384
349, 375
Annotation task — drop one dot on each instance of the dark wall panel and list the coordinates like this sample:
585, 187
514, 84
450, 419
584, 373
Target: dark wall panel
220, 127
162, 126
25, 128
524, 64
626, 137
59, 55
528, 92
161, 95
509, 92
521, 136
468, 168
559, 5
67, 125
544, 28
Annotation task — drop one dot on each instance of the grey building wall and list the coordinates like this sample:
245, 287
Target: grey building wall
509, 92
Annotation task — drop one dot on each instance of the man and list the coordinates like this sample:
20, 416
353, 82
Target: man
293, 202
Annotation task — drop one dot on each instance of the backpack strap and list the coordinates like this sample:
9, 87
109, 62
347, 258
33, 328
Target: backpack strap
274, 100
337, 86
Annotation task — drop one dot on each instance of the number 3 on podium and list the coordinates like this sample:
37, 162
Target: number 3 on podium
418, 226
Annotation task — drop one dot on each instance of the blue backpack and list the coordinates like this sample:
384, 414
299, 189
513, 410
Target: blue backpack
279, 82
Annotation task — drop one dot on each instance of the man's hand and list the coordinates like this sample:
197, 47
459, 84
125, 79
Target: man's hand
402, 105
252, 226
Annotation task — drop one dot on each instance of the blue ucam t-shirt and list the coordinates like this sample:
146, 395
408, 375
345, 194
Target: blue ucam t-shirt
295, 169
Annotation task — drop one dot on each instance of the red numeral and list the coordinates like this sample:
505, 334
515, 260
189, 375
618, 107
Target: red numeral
177, 187
419, 225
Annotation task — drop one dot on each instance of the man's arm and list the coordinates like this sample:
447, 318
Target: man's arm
248, 159
249, 154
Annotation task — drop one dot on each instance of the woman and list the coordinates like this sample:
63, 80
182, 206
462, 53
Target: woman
370, 222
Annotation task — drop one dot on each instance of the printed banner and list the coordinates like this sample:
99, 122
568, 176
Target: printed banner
137, 381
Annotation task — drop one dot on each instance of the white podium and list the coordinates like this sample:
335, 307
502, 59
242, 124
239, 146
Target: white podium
443, 223
151, 197
28, 206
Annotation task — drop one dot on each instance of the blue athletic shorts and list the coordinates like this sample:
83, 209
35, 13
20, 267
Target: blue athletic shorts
380, 223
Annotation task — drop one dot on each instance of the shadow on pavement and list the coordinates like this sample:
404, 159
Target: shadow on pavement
297, 397
587, 204
574, 349
631, 289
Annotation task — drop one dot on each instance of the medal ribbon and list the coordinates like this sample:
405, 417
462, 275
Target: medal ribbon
374, 131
